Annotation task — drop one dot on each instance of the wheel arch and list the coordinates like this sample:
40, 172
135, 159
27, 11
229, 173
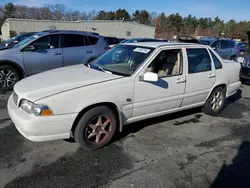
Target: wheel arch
19, 69
111, 105
223, 85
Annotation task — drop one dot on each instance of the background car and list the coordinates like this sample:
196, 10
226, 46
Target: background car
142, 40
226, 48
133, 40
245, 67
242, 47
186, 39
15, 40
48, 50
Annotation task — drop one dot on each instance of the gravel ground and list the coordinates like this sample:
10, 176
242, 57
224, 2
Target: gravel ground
186, 149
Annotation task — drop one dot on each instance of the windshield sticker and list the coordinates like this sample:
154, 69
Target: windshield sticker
142, 50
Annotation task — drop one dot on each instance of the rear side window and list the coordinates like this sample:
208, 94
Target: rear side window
93, 40
198, 60
217, 62
73, 40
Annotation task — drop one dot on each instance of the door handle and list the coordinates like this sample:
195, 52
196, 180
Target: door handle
57, 53
211, 75
180, 80
88, 51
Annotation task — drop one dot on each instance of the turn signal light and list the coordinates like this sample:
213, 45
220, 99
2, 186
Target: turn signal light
46, 112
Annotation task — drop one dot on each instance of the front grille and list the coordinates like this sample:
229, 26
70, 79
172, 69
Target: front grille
15, 98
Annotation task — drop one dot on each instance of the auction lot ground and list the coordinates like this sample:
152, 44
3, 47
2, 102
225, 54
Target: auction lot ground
187, 149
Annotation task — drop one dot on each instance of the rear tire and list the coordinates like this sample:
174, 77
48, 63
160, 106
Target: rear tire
8, 77
96, 128
215, 102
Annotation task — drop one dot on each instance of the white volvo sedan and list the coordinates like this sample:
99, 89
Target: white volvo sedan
129, 83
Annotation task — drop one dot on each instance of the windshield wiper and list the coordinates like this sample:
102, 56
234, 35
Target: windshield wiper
105, 70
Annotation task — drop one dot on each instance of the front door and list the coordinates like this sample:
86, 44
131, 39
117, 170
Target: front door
77, 49
200, 77
45, 55
153, 98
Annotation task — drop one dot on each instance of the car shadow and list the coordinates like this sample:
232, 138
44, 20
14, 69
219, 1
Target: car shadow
137, 126
160, 83
230, 100
235, 174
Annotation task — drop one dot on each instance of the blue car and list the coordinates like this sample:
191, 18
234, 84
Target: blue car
225, 47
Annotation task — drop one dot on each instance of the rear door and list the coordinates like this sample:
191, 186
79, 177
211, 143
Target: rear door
47, 54
77, 49
200, 77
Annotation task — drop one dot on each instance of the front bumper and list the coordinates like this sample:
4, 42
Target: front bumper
40, 128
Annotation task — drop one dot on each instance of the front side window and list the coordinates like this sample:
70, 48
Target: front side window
71, 40
166, 63
122, 59
46, 42
198, 60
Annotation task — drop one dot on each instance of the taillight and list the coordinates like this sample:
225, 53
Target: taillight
107, 48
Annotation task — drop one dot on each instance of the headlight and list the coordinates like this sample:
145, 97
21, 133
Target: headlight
35, 109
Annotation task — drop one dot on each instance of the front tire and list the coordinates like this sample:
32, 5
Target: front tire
96, 128
215, 102
8, 77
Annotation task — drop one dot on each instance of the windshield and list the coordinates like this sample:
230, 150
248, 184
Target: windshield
206, 42
25, 41
9, 40
122, 60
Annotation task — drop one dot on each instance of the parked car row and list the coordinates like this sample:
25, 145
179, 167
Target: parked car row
32, 53
128, 83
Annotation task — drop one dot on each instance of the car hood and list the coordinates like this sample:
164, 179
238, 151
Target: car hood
59, 80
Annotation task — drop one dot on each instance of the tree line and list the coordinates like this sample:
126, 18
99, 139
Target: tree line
166, 25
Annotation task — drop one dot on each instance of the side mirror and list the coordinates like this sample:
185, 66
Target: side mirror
15, 41
30, 48
149, 77
214, 48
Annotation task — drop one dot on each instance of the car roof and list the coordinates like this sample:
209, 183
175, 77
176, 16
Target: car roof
47, 32
162, 44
